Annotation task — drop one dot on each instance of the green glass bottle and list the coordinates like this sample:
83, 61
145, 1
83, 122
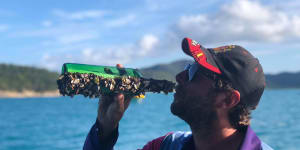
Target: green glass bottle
94, 81
103, 71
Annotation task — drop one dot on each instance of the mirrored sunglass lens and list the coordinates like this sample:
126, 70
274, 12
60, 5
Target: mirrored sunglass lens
192, 71
187, 67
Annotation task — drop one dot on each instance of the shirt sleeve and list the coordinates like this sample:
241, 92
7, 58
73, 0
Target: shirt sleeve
94, 142
155, 144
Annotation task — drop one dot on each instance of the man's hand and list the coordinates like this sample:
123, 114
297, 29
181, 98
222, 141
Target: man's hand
111, 110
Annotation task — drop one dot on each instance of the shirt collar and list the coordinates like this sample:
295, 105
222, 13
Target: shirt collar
251, 141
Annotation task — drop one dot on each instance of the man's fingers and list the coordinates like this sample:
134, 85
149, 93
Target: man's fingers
127, 102
119, 100
103, 103
105, 100
122, 101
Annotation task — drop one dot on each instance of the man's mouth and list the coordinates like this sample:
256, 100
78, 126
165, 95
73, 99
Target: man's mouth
178, 92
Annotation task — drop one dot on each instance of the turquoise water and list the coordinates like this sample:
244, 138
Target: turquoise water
62, 123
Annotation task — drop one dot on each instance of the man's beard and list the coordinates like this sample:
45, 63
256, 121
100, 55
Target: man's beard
198, 112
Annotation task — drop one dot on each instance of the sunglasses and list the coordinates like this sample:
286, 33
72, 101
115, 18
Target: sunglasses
194, 68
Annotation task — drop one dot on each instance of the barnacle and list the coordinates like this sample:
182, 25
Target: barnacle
91, 85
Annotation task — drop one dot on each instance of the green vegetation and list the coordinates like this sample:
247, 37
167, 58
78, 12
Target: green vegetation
165, 71
283, 80
168, 72
19, 78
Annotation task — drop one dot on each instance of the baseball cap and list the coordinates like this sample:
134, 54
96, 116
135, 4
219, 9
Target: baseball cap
234, 64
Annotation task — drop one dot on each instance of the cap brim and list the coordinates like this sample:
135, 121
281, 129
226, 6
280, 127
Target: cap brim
200, 54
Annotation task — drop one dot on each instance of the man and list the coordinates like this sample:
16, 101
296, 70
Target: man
214, 97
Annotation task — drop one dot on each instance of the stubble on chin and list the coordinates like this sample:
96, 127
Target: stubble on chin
203, 121
178, 109
199, 113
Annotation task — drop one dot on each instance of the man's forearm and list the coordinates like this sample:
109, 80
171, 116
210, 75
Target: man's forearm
94, 142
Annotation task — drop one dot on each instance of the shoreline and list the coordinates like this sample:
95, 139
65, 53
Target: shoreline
28, 94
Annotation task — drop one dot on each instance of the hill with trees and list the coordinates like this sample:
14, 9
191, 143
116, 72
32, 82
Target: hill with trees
168, 72
20, 78
165, 71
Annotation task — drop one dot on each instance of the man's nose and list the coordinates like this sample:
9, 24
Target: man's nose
182, 77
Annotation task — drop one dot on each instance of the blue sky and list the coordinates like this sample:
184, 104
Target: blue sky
140, 33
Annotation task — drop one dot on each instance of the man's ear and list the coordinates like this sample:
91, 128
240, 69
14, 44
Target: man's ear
233, 99
228, 100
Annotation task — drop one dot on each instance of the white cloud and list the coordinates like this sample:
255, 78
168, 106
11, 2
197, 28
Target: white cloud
87, 52
80, 15
124, 20
149, 31
79, 42
242, 20
175, 6
265, 52
110, 56
62, 34
147, 44
47, 23
75, 37
152, 5
103, 55
247, 10
3, 27
288, 6
54, 62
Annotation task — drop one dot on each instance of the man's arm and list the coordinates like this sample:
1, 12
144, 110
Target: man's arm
95, 142
104, 134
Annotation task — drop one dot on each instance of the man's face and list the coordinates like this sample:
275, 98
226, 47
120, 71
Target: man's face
193, 100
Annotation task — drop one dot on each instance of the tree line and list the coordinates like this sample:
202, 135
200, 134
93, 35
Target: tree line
19, 78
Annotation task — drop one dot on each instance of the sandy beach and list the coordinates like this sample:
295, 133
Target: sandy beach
27, 94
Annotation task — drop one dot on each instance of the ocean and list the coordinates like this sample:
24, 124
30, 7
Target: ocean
63, 123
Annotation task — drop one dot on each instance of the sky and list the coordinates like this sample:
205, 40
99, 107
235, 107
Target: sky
141, 33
